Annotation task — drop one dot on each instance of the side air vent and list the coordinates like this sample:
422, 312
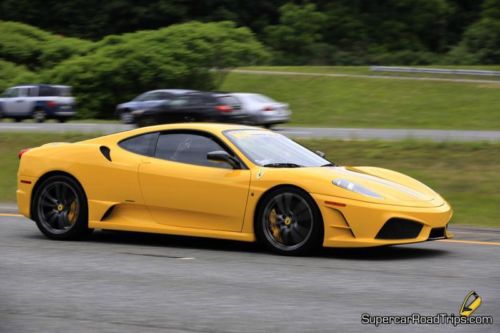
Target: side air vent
106, 152
107, 214
396, 228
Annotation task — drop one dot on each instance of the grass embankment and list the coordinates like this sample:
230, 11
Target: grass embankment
382, 103
466, 174
366, 70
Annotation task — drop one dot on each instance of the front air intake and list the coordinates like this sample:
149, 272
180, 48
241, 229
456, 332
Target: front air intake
396, 228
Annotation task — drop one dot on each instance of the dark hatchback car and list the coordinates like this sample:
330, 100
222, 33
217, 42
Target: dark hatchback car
192, 106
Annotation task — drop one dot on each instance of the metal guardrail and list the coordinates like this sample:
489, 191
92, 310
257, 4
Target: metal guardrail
434, 70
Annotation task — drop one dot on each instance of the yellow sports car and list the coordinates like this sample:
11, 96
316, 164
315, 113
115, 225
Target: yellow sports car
222, 181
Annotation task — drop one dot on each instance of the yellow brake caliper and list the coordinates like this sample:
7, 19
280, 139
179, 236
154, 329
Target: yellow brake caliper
273, 224
72, 212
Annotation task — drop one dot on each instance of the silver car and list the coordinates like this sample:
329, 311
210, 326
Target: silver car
262, 110
37, 101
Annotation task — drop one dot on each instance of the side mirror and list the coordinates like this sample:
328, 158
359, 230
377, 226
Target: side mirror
320, 153
223, 156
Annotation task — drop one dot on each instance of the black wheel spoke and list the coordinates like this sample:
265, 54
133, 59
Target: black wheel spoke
60, 221
47, 203
300, 208
58, 191
50, 198
52, 218
64, 191
300, 230
280, 203
287, 198
285, 235
295, 236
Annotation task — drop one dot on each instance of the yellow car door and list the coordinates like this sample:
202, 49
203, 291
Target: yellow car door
182, 188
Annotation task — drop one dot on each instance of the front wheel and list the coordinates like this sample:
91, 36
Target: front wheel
289, 222
126, 117
60, 209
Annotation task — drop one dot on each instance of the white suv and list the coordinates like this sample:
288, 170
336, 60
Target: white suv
37, 101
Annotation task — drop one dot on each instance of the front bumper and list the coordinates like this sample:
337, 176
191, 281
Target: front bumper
352, 223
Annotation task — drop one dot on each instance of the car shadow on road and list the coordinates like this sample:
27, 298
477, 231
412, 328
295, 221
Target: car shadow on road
401, 252
157, 240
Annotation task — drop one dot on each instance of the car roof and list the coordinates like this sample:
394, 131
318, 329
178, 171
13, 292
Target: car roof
174, 91
209, 127
40, 85
245, 94
214, 128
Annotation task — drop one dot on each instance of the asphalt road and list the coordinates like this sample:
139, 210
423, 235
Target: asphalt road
127, 282
296, 132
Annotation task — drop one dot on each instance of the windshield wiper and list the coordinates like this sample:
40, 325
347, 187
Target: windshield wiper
282, 165
328, 165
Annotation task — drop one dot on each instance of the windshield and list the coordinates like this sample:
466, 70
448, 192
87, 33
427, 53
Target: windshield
266, 148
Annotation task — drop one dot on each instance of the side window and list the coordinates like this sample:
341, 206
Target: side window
23, 92
163, 96
195, 100
188, 148
13, 92
143, 97
142, 144
179, 101
33, 92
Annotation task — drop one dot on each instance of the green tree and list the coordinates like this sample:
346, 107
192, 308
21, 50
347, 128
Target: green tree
481, 41
298, 34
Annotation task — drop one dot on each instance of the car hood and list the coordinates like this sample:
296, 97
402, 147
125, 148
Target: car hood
395, 188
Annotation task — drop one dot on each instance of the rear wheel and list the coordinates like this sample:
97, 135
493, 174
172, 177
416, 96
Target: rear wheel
62, 119
60, 209
39, 115
289, 222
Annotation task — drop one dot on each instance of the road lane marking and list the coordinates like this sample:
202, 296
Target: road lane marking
11, 215
469, 242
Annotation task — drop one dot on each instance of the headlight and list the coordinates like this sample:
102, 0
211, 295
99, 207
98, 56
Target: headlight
350, 186
138, 112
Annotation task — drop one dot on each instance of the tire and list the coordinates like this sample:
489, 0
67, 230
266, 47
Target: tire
39, 115
60, 209
268, 126
288, 222
126, 117
62, 119
146, 121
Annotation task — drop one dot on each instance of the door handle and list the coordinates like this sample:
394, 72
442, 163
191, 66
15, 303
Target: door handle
19, 100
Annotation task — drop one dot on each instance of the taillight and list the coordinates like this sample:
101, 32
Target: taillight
268, 108
51, 104
224, 108
22, 151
